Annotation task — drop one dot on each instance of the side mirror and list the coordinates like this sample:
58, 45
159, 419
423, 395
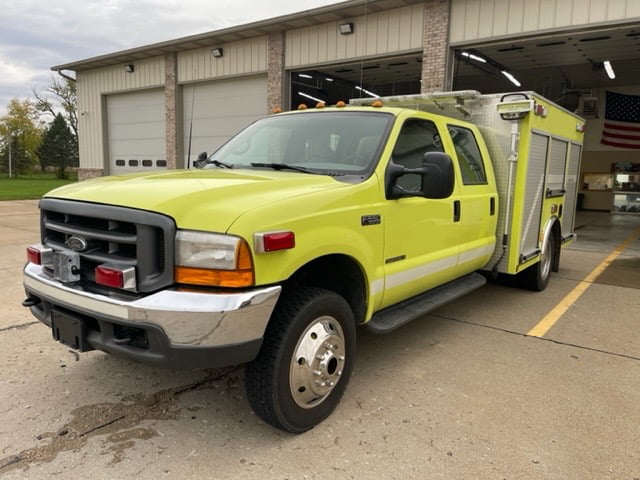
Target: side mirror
202, 157
436, 173
438, 178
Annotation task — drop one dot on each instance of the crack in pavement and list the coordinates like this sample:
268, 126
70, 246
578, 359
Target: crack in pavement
120, 421
20, 326
551, 340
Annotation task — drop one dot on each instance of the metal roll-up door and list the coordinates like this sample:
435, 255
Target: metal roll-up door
534, 194
136, 131
215, 111
569, 211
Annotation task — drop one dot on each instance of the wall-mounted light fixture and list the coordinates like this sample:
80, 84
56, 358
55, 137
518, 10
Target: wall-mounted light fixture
345, 28
129, 68
217, 52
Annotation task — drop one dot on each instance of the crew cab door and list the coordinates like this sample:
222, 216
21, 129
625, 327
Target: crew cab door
421, 234
477, 200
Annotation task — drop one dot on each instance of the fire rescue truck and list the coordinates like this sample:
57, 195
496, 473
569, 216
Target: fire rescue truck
303, 227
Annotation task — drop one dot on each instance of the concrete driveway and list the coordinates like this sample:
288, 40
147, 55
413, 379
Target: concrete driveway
469, 392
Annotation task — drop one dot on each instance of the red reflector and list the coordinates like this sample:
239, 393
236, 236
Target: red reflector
33, 255
279, 241
109, 277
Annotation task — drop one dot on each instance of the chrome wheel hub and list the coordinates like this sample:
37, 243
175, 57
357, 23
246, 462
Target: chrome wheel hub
317, 362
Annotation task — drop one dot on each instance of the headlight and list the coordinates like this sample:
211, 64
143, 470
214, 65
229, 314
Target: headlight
213, 259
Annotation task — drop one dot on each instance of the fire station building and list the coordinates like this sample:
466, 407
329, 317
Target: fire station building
158, 106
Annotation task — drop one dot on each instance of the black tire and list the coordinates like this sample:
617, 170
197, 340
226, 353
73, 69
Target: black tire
305, 362
537, 276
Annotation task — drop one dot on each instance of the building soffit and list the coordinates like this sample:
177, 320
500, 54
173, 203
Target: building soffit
330, 13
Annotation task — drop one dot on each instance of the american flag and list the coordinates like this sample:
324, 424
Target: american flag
621, 121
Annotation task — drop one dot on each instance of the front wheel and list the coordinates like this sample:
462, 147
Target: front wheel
305, 362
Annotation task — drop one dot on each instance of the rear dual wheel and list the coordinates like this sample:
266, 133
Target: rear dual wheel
305, 362
537, 276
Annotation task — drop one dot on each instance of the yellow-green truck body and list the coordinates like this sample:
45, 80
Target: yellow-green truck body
384, 212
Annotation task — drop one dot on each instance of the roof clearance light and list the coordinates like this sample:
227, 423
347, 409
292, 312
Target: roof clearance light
340, 104
377, 104
511, 78
274, 241
609, 69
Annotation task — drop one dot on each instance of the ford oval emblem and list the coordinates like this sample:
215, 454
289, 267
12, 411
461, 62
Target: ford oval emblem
77, 244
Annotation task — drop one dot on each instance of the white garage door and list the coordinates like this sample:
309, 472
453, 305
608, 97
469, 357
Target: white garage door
136, 131
221, 109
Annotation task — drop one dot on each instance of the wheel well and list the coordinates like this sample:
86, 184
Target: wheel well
338, 273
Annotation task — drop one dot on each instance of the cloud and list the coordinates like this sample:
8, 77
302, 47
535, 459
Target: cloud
37, 34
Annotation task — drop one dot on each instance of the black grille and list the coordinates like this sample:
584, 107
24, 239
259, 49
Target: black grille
120, 235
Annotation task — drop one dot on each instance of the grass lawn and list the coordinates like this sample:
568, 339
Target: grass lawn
33, 185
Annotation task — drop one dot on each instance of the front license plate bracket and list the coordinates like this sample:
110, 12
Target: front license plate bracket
70, 331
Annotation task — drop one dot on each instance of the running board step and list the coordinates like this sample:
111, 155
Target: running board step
389, 319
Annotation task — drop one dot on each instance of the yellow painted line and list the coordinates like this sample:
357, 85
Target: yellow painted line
554, 315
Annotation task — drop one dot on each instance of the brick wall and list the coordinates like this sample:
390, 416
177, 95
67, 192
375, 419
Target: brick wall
435, 46
171, 104
89, 173
275, 73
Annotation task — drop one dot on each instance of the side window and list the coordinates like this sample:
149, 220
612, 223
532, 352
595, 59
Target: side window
416, 138
469, 157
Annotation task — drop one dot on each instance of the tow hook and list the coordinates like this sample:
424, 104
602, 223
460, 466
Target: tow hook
31, 301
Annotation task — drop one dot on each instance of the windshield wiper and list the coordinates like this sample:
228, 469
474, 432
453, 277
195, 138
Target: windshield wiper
218, 163
283, 166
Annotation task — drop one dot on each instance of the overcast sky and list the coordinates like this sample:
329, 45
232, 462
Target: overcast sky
38, 34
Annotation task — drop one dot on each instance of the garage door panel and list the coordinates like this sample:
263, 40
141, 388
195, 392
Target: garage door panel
136, 131
220, 110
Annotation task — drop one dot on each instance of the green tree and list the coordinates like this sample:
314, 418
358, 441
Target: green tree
60, 94
58, 147
20, 136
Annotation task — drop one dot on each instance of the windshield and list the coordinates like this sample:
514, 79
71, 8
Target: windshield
338, 143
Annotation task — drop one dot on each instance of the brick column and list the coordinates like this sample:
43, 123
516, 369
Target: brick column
171, 109
275, 72
89, 173
435, 45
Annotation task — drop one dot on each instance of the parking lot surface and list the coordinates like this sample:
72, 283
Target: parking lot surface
503, 384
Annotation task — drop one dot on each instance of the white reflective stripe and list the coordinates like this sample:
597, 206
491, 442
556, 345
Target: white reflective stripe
420, 271
477, 253
376, 286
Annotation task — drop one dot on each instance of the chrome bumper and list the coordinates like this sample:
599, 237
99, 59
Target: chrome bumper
188, 319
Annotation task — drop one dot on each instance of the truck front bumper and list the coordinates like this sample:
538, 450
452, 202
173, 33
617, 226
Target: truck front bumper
171, 328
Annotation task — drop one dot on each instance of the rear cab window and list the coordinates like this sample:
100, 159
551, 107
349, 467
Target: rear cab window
470, 161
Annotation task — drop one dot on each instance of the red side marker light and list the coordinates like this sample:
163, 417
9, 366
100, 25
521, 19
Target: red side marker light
274, 241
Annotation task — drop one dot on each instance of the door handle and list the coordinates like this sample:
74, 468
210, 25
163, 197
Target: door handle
456, 210
492, 206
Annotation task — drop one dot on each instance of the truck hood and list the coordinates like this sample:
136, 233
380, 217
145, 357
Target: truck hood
198, 199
